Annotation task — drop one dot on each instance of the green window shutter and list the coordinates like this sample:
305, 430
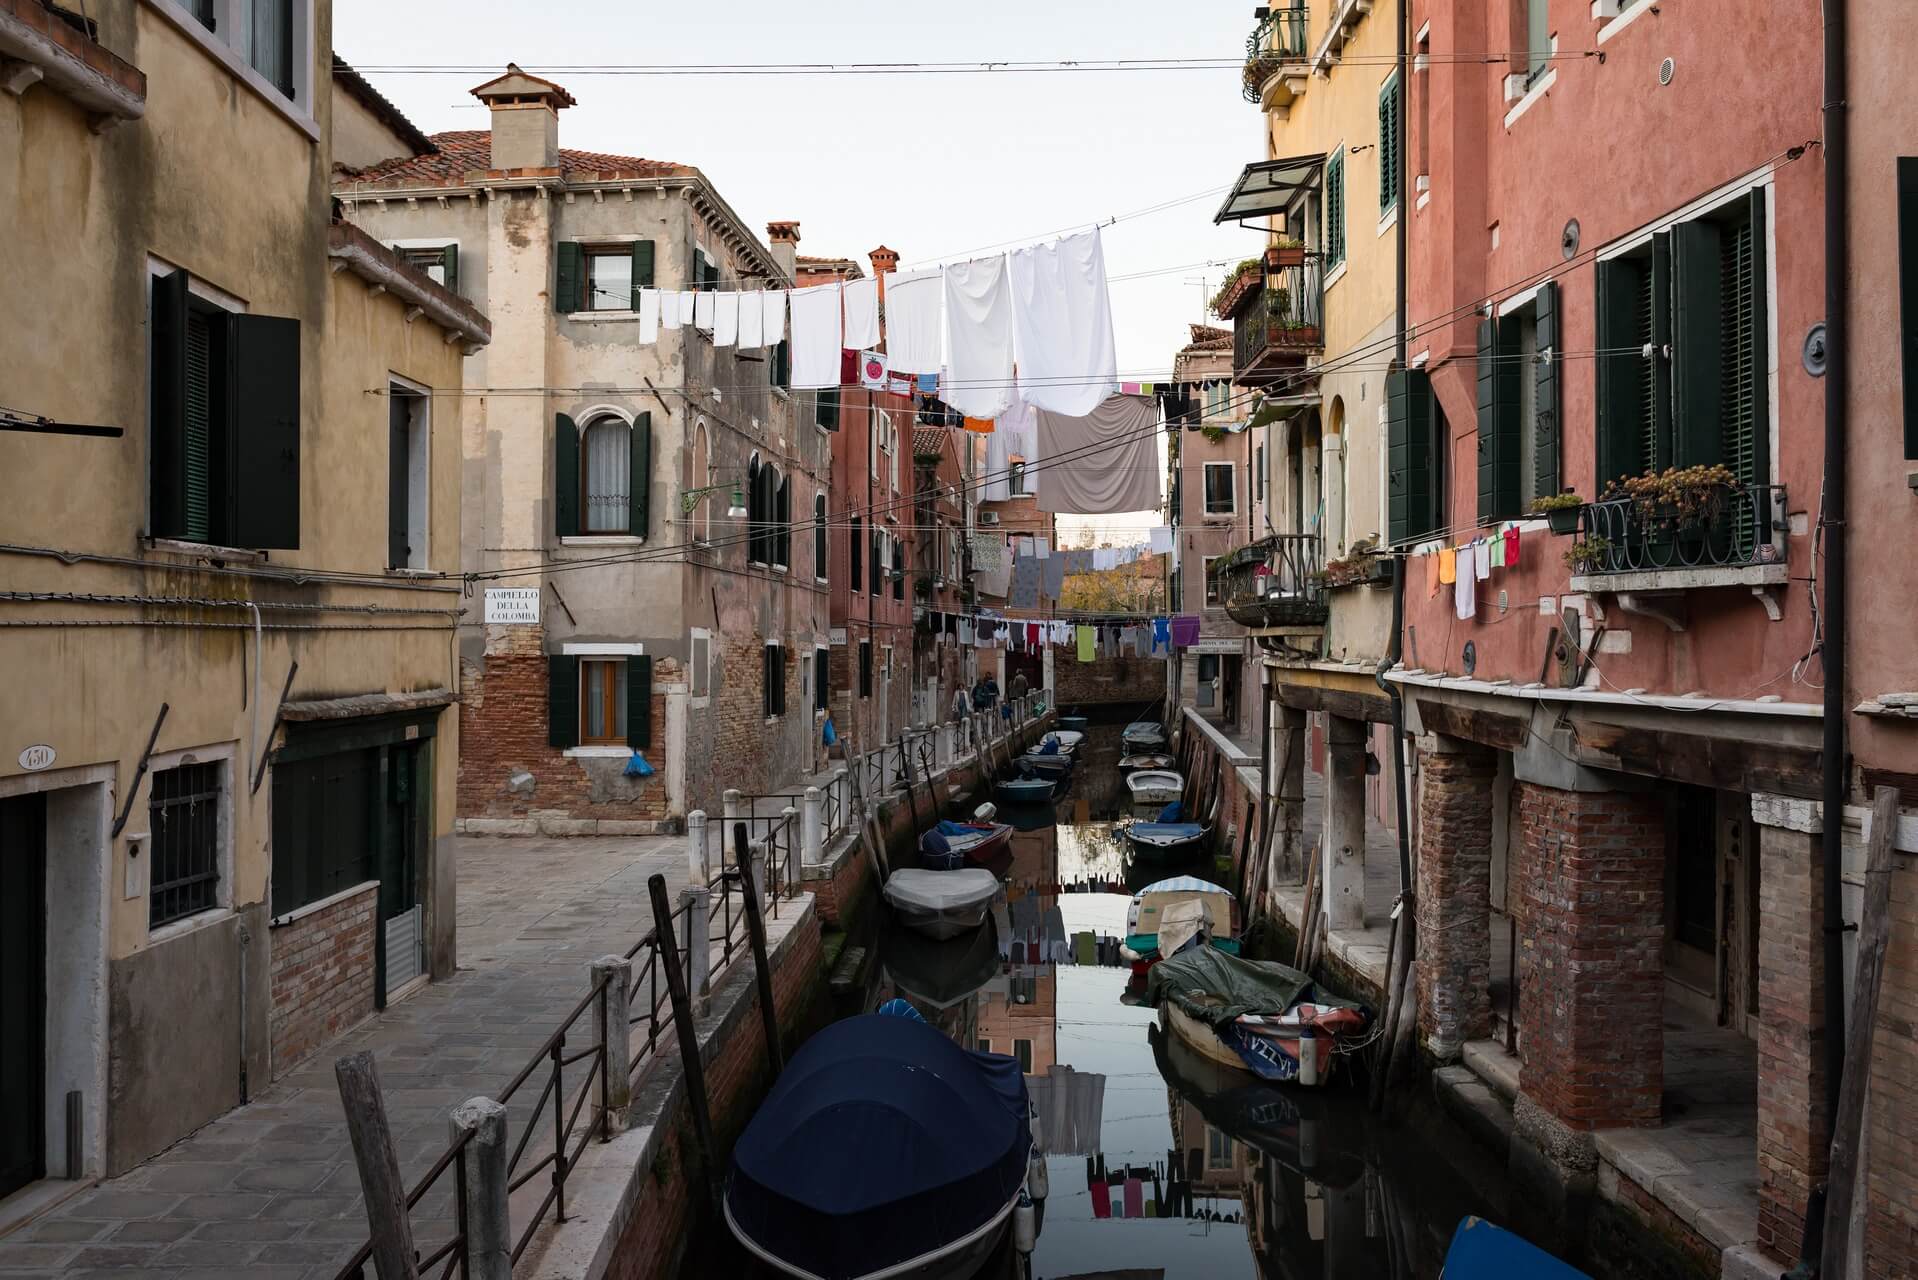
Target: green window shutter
1335, 209
1545, 393
640, 481
1698, 344
1746, 431
562, 700
565, 476
398, 486
1498, 424
568, 278
450, 267
1655, 327
1633, 391
167, 406
1390, 122
858, 552
263, 439
1908, 295
639, 701
783, 513
825, 404
782, 367
642, 268
1408, 402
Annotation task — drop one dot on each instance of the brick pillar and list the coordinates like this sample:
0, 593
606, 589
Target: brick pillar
1794, 1133
1454, 894
1589, 904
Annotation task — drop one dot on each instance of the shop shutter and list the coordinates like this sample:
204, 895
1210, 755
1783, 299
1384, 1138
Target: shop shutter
640, 478
1545, 394
1408, 400
263, 435
639, 701
562, 700
565, 476
1698, 344
568, 277
1498, 424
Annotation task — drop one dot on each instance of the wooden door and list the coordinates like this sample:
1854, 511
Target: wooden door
23, 991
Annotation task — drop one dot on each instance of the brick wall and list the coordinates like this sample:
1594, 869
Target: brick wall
847, 886
655, 1238
1124, 679
1794, 1135
322, 975
1589, 870
503, 732
1454, 897
1891, 1200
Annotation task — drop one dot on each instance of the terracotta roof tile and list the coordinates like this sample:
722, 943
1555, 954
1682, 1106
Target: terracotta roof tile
462, 151
929, 442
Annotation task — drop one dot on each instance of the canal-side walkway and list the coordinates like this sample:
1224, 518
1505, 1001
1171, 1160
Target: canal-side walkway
270, 1190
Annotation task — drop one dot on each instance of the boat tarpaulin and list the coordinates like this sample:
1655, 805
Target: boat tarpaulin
941, 890
881, 1141
1215, 988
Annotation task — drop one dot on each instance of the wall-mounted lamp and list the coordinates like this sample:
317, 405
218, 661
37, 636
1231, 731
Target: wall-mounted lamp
691, 498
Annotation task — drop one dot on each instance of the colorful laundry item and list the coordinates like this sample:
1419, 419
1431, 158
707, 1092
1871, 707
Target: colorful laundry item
1101, 1199
752, 322
982, 426
1062, 325
1498, 550
1465, 592
1161, 634
1511, 548
703, 308
1185, 630
1482, 559
861, 299
1447, 565
648, 317
1087, 644
816, 350
725, 319
979, 331
915, 320
1134, 1198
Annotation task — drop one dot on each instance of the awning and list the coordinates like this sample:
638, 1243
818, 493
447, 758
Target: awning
1270, 186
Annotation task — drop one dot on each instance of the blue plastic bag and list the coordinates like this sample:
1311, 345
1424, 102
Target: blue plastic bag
638, 768
828, 734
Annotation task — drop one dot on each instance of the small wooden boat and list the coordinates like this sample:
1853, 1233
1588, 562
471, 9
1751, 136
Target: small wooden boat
1056, 765
1150, 902
1166, 841
1154, 786
942, 904
1068, 740
1025, 790
938, 974
1261, 1017
1144, 760
1143, 735
1076, 723
952, 845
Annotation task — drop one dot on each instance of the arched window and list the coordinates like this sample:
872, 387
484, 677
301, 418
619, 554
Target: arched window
819, 536
606, 476
702, 522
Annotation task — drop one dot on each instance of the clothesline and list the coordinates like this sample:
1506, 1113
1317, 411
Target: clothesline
1464, 566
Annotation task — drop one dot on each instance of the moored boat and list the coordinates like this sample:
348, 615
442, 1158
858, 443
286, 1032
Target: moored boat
1055, 765
926, 1189
1074, 722
1143, 735
1144, 760
1068, 741
952, 845
1165, 841
942, 904
1155, 786
1025, 790
1262, 1017
1482, 1251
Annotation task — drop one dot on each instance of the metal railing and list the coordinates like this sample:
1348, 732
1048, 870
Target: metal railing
1285, 315
1274, 582
1278, 39
1744, 526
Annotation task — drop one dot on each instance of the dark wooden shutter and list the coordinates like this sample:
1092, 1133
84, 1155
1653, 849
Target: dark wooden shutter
1746, 436
1655, 326
640, 480
819, 537
825, 406
899, 569
865, 668
821, 675
639, 701
167, 408
1630, 387
782, 366
450, 267
1408, 402
877, 576
1390, 123
565, 476
1908, 294
642, 268
1498, 425
568, 277
858, 552
263, 431
786, 520
1545, 393
1698, 344
398, 479
562, 700
1335, 209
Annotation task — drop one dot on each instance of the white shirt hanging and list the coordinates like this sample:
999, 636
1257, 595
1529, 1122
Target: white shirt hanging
979, 329
725, 319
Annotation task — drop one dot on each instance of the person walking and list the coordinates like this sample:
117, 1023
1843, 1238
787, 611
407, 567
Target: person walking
992, 692
1019, 686
959, 708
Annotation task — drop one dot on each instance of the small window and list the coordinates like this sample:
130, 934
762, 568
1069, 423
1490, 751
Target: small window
865, 668
821, 675
819, 537
857, 547
1538, 39
1221, 489
1016, 476
184, 810
1211, 584
1218, 398
1218, 1148
1022, 1050
702, 662
406, 529
439, 263
609, 278
985, 1046
774, 694
602, 701
272, 54
606, 476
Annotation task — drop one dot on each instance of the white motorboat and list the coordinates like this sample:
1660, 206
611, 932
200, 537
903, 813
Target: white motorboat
1068, 740
1144, 760
942, 904
1155, 786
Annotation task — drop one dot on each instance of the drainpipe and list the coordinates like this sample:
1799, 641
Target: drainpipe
1391, 657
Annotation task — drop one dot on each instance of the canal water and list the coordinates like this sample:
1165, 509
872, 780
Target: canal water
1162, 1164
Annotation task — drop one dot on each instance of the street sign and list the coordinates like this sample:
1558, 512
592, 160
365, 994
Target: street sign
512, 606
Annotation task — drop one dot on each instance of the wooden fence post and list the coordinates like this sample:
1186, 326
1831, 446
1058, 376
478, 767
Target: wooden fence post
667, 947
387, 1220
489, 1229
762, 967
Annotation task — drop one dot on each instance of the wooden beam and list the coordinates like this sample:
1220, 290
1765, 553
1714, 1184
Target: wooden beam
1507, 733
1731, 764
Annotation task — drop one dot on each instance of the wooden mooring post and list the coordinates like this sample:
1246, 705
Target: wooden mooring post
762, 967
666, 940
389, 1225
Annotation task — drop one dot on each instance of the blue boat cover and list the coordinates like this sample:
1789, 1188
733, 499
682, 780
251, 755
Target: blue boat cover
1481, 1251
1050, 747
897, 1008
1172, 812
882, 1140
1166, 830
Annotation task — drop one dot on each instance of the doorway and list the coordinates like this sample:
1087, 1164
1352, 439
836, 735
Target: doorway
23, 991
1206, 695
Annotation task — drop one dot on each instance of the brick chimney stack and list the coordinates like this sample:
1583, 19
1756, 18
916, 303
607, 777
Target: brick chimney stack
883, 260
785, 244
525, 119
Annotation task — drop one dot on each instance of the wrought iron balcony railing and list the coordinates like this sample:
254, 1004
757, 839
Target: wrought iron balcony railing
1744, 526
1282, 322
1274, 582
1278, 40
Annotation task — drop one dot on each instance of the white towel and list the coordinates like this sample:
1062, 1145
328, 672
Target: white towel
669, 308
703, 310
687, 307
648, 317
1482, 558
915, 309
725, 318
862, 313
1162, 540
1465, 588
816, 341
775, 317
752, 322
979, 329
1062, 324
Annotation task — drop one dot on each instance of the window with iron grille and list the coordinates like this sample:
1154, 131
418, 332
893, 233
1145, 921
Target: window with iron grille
184, 810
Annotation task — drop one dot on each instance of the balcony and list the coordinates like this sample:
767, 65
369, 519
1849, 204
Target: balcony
1273, 586
1277, 320
1275, 59
1648, 560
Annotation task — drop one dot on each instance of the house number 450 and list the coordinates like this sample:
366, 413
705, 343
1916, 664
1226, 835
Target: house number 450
37, 756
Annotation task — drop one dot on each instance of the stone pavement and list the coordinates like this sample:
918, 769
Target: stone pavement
270, 1190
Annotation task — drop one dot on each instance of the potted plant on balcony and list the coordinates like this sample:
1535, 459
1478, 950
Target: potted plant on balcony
1286, 251
1244, 278
1561, 510
1677, 509
1588, 555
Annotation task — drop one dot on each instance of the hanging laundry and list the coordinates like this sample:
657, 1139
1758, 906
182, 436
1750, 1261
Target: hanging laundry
815, 329
1015, 434
1511, 548
861, 299
1087, 643
872, 370
1134, 1198
669, 306
915, 306
898, 384
1161, 635
965, 632
1104, 462
1482, 559
1041, 548
1498, 550
1465, 589
1447, 565
928, 384
1185, 630
648, 317
982, 426
979, 330
1161, 540
752, 322
1062, 325
725, 319
688, 307
703, 307
775, 317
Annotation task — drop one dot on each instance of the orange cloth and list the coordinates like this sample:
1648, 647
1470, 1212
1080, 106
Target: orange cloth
1447, 565
982, 425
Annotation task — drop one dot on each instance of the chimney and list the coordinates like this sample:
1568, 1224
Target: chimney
785, 245
525, 111
883, 260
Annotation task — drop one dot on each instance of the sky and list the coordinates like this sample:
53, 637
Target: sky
936, 166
